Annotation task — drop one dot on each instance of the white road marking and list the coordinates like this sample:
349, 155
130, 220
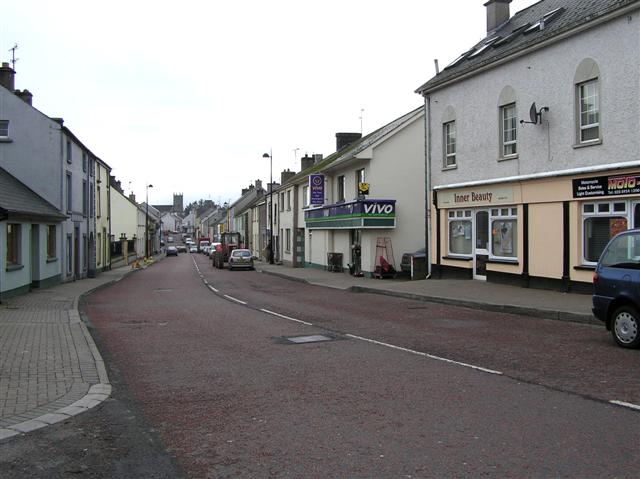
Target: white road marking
212, 288
426, 355
233, 299
205, 281
626, 404
285, 317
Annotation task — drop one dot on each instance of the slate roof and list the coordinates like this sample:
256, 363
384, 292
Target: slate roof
18, 200
573, 13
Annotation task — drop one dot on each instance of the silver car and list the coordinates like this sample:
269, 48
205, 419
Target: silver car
240, 258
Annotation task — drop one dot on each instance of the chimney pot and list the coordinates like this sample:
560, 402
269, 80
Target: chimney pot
497, 13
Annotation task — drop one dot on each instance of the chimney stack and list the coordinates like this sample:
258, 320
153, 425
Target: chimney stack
286, 175
345, 139
497, 13
306, 162
7, 77
132, 197
26, 96
258, 184
317, 158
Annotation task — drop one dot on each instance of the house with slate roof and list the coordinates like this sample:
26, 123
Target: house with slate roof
323, 214
47, 157
532, 144
30, 238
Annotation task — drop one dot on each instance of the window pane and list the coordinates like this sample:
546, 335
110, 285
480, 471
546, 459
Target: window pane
589, 208
460, 237
504, 238
598, 232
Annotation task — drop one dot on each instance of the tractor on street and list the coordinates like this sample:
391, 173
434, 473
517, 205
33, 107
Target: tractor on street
228, 242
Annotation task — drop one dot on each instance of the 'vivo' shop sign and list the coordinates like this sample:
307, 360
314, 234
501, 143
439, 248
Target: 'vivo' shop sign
361, 213
316, 189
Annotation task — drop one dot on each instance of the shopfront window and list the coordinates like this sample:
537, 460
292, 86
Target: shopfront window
504, 232
601, 222
460, 232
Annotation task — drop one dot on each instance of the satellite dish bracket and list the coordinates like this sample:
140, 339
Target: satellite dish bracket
535, 115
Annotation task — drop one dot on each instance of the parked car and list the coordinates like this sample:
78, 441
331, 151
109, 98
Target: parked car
181, 248
616, 288
240, 258
172, 251
405, 264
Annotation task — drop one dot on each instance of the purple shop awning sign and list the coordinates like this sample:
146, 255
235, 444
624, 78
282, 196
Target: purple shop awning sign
316, 189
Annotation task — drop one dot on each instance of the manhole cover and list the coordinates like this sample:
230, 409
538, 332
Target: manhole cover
314, 338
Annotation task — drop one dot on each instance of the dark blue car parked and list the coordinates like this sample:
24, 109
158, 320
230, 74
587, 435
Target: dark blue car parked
616, 292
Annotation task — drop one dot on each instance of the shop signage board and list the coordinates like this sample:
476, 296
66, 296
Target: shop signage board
316, 189
361, 213
474, 197
598, 186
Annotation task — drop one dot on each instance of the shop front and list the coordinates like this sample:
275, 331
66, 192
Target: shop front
540, 231
343, 236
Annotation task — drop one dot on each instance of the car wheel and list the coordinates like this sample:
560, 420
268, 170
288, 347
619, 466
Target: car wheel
624, 327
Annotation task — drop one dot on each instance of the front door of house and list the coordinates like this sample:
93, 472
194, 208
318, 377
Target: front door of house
481, 244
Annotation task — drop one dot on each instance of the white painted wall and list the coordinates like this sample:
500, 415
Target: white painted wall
547, 78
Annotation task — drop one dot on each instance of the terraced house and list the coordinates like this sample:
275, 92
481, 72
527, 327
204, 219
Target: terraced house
532, 144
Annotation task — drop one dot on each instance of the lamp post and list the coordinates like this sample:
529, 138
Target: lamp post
146, 225
270, 212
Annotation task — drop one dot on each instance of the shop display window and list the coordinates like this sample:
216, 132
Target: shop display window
504, 232
460, 232
601, 222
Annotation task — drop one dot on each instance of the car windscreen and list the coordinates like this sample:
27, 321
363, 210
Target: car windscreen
242, 254
622, 252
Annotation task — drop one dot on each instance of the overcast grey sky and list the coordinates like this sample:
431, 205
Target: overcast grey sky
189, 95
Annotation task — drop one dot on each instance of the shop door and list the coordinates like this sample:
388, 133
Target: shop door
481, 244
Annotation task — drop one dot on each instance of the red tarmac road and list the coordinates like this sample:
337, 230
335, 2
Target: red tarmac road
231, 398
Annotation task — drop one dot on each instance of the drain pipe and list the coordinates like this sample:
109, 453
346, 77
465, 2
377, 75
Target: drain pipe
427, 181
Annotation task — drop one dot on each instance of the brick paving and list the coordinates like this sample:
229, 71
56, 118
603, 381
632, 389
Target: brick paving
50, 368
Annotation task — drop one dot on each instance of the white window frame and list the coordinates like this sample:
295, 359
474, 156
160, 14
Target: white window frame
4, 128
509, 213
603, 209
459, 215
340, 188
449, 148
505, 128
595, 95
305, 196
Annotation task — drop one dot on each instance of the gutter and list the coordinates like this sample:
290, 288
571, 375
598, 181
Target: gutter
536, 176
427, 181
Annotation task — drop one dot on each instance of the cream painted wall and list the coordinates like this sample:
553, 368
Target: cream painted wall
124, 216
545, 240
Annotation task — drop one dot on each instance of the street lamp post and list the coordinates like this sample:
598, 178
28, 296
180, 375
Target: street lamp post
270, 212
146, 225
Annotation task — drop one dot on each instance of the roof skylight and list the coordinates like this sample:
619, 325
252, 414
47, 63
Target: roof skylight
545, 20
509, 38
483, 48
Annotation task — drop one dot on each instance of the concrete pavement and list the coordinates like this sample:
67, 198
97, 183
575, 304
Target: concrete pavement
50, 368
465, 293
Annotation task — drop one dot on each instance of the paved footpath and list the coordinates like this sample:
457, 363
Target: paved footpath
50, 368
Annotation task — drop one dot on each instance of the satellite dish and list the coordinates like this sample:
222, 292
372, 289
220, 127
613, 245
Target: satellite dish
533, 113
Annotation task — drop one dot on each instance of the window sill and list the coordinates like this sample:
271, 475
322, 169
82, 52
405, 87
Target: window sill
5, 139
587, 144
52, 260
585, 267
507, 158
457, 258
447, 168
503, 261
14, 267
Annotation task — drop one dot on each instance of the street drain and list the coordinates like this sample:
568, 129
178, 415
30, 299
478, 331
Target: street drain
314, 338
